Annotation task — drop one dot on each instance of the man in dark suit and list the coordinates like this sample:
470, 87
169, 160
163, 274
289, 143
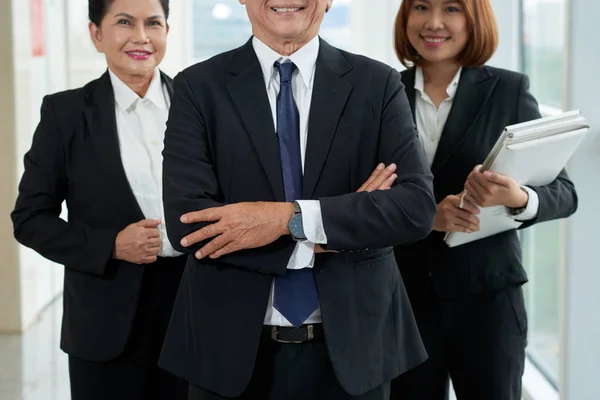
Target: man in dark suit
292, 290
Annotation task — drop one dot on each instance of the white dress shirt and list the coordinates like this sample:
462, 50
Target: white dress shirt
302, 88
431, 122
141, 125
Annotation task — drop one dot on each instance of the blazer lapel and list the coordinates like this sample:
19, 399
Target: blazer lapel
168, 82
474, 89
408, 79
248, 92
330, 94
102, 124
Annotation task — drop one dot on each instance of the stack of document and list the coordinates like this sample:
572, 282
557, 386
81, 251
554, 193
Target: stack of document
532, 153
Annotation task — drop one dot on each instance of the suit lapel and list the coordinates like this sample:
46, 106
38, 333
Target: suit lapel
330, 94
168, 82
249, 95
102, 124
408, 79
474, 89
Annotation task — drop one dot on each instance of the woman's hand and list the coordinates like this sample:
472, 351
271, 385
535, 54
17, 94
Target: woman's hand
139, 243
450, 217
489, 189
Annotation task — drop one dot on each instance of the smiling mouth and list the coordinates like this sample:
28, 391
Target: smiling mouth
434, 40
139, 53
286, 9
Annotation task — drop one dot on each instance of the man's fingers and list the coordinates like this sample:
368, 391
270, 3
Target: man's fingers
208, 215
214, 245
229, 248
320, 250
153, 242
384, 176
369, 182
152, 233
148, 223
202, 234
389, 182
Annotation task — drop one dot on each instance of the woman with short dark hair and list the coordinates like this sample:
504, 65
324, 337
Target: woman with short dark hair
98, 148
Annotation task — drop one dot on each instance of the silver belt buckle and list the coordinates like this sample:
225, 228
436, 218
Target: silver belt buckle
309, 330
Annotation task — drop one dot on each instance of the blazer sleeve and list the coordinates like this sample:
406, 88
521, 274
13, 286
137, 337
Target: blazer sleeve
558, 199
42, 190
400, 215
190, 183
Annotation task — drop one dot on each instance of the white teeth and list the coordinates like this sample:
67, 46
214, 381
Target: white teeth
137, 53
282, 10
434, 40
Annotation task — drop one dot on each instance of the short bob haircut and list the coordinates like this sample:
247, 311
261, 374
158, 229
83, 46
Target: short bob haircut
483, 34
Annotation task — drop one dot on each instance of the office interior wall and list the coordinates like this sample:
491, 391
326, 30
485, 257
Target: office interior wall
10, 309
29, 282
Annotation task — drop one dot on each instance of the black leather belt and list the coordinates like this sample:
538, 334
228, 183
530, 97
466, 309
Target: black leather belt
302, 334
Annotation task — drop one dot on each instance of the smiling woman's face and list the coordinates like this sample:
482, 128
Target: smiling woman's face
132, 36
437, 29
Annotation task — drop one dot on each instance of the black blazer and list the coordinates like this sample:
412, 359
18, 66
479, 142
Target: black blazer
221, 148
487, 100
75, 157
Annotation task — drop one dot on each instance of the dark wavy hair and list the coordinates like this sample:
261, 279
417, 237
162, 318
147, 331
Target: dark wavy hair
97, 9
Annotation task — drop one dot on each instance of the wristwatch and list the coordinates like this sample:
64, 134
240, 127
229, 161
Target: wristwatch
295, 225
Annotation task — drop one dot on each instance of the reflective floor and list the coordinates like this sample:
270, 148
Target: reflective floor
32, 367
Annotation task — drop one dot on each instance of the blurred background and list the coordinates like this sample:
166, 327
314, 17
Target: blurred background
45, 48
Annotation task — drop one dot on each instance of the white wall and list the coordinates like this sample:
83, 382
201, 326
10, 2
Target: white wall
40, 280
10, 310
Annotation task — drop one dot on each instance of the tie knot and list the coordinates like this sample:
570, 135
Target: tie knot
285, 70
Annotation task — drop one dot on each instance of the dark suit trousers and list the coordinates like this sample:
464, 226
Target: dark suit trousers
293, 372
134, 375
477, 340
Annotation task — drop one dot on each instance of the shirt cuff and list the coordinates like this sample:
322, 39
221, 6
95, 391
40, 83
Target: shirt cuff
531, 210
303, 255
312, 221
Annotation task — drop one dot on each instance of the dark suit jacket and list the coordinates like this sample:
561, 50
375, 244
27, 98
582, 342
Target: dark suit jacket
75, 157
221, 148
487, 100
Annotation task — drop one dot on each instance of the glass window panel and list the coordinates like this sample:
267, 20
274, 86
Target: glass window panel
543, 48
222, 25
541, 258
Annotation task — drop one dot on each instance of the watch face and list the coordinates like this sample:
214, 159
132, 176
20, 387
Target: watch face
296, 228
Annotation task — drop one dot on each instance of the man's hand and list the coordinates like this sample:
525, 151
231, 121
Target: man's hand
138, 243
382, 178
451, 218
238, 226
491, 189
